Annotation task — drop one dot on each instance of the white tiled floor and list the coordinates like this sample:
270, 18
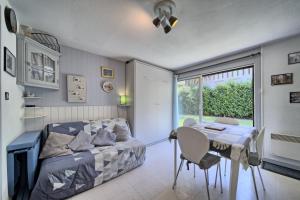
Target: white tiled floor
153, 180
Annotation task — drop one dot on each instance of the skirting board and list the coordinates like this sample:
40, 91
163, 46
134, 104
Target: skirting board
156, 142
281, 168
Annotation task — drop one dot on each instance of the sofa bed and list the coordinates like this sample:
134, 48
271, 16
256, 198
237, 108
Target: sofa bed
72, 172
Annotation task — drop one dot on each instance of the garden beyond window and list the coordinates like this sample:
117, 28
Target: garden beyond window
224, 94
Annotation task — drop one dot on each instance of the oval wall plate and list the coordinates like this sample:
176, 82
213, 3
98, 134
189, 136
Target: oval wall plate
107, 86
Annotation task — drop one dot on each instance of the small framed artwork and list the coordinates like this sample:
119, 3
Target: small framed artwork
76, 89
9, 62
107, 72
281, 79
294, 58
294, 97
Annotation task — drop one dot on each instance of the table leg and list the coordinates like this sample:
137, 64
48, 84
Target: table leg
175, 158
234, 174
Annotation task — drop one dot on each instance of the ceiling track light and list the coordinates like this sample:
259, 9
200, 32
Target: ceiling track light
164, 15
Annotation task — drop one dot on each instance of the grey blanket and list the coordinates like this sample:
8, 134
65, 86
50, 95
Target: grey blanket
65, 176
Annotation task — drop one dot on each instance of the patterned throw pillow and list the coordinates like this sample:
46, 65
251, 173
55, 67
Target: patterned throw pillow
109, 124
56, 145
82, 142
95, 126
104, 138
121, 132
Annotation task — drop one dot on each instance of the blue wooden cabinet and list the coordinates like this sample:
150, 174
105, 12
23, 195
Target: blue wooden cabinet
22, 159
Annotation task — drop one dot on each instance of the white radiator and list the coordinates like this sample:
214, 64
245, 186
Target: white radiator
286, 146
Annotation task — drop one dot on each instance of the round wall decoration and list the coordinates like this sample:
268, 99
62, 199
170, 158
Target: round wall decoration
107, 86
10, 20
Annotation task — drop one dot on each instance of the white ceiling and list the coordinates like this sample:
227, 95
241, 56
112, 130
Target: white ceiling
123, 29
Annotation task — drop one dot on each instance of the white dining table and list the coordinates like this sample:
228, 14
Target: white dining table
233, 143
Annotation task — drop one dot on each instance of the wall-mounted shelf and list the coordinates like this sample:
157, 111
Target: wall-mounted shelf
34, 112
32, 97
127, 105
34, 117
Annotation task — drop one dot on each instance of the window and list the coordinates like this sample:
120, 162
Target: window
188, 99
229, 94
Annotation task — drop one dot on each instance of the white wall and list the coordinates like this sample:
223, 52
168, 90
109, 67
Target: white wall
279, 116
11, 110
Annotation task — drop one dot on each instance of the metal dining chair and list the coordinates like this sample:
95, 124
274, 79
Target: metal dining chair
189, 122
194, 146
254, 159
229, 121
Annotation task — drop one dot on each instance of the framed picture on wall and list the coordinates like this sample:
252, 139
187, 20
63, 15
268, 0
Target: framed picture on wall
107, 72
294, 97
294, 58
281, 79
9, 62
76, 85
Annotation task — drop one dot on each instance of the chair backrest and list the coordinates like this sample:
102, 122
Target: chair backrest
193, 144
188, 122
259, 142
227, 120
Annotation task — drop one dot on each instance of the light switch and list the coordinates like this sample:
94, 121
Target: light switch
6, 95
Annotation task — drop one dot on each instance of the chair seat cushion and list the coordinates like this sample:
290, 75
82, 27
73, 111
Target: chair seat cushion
254, 159
207, 161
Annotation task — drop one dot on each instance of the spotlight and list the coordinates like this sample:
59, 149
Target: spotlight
173, 21
156, 22
165, 25
167, 29
164, 15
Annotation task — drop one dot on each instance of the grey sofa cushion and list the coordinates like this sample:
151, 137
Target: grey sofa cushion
104, 138
81, 142
56, 145
121, 132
